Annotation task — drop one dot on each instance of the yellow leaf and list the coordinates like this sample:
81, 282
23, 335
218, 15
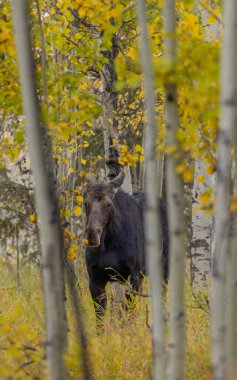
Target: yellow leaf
188, 175
209, 169
200, 178
51, 125
79, 199
180, 168
77, 210
63, 179
86, 241
233, 205
83, 162
65, 213
71, 170
32, 218
205, 198
139, 149
212, 19
83, 174
72, 252
52, 11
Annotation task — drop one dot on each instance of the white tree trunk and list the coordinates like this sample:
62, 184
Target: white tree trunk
152, 222
201, 245
201, 230
108, 77
222, 215
231, 290
50, 234
175, 199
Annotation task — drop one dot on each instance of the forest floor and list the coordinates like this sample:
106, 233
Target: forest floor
122, 352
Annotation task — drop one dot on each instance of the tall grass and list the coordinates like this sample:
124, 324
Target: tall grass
122, 352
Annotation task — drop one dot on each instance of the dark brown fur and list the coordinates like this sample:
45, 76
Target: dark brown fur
115, 236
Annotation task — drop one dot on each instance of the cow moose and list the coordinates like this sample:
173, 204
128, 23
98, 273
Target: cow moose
115, 239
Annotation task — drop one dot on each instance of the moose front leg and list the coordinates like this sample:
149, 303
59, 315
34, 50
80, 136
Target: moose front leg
100, 301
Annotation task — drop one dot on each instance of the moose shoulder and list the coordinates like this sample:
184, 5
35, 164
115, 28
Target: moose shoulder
115, 235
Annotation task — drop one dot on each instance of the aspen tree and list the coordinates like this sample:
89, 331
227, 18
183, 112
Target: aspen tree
175, 202
222, 214
152, 222
45, 198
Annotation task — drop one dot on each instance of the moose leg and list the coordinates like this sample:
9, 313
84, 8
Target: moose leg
99, 297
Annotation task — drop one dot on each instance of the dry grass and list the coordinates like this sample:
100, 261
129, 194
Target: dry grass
122, 352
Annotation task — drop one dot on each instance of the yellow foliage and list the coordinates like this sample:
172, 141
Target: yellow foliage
206, 197
77, 210
200, 179
209, 169
65, 213
233, 204
123, 352
188, 174
139, 149
79, 199
72, 252
32, 218
180, 168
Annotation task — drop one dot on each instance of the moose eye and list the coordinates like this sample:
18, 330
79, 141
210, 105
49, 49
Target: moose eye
108, 205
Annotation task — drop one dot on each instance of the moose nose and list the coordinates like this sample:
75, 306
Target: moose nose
93, 235
91, 231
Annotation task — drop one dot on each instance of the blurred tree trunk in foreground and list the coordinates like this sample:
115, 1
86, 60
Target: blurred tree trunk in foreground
175, 202
152, 222
45, 197
220, 329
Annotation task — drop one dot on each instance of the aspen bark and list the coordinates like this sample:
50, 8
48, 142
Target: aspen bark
109, 77
45, 197
231, 291
175, 202
201, 231
201, 245
220, 329
152, 222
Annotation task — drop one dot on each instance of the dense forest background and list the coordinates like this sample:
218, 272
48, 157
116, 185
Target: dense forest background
156, 83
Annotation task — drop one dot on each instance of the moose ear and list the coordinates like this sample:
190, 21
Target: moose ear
118, 181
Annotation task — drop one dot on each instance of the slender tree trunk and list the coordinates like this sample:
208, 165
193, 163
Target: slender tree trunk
201, 245
109, 77
222, 215
175, 200
45, 197
201, 230
152, 222
80, 330
18, 279
231, 291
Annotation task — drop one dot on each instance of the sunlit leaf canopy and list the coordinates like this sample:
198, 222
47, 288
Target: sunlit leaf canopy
78, 38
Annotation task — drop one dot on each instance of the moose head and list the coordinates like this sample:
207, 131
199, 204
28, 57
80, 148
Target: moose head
99, 207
